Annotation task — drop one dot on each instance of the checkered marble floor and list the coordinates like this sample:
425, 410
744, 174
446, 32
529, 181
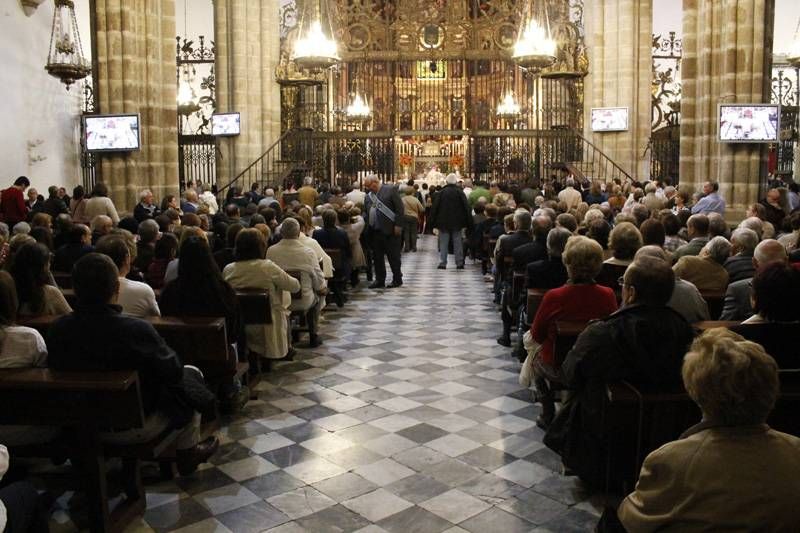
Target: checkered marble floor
409, 418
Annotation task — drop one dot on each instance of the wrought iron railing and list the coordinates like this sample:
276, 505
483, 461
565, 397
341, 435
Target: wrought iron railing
522, 155
287, 158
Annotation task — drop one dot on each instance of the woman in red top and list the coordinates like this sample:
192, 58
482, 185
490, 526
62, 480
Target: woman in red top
581, 299
12, 202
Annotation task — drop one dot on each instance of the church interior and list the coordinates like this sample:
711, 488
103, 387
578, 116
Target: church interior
590, 213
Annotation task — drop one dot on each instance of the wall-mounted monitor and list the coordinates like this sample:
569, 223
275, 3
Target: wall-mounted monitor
609, 119
749, 123
226, 124
111, 133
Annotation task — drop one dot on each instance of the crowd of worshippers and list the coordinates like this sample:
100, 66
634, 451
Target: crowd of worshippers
181, 257
637, 263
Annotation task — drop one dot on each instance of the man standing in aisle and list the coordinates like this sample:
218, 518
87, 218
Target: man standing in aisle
450, 215
384, 211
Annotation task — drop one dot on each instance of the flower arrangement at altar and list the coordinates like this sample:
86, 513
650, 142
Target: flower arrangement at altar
456, 161
406, 160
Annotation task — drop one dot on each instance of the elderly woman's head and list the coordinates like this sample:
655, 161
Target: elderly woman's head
583, 258
625, 240
733, 381
717, 249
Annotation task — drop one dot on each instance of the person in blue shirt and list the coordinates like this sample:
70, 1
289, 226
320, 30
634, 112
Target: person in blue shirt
711, 202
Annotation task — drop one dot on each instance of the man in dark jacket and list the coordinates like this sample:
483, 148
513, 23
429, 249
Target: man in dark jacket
643, 343
79, 243
383, 211
535, 250
450, 215
98, 338
506, 248
54, 205
146, 208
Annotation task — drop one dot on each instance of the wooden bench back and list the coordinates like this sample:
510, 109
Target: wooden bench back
715, 302
199, 341
255, 306
535, 297
45, 397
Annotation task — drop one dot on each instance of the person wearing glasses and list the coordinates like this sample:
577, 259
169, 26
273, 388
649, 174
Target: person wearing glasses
643, 343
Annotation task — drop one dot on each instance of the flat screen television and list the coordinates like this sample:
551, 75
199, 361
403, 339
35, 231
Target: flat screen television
749, 123
111, 133
609, 119
226, 124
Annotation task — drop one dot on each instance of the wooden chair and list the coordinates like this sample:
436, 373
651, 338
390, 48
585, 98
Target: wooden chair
535, 297
256, 311
302, 321
86, 404
338, 283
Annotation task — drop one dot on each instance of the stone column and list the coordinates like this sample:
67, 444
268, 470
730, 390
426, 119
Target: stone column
136, 74
247, 40
727, 47
619, 41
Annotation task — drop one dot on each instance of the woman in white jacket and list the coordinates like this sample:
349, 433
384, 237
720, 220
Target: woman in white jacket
252, 271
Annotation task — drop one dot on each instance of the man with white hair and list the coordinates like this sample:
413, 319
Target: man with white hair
740, 264
705, 271
269, 198
570, 195
450, 216
208, 199
146, 208
737, 297
307, 194
384, 211
190, 203
293, 256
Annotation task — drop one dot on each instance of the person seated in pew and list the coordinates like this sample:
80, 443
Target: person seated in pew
536, 249
625, 239
200, 290
643, 343
226, 256
20, 347
22, 510
705, 271
686, 300
740, 264
146, 245
37, 293
738, 304
166, 249
292, 256
730, 472
550, 273
252, 270
306, 229
136, 299
579, 299
331, 237
98, 337
79, 243
697, 231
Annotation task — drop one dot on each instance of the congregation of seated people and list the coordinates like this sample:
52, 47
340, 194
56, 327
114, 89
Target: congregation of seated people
103, 278
643, 271
642, 268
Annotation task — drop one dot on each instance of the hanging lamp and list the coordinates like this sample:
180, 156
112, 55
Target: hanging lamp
65, 59
315, 47
508, 108
358, 111
535, 48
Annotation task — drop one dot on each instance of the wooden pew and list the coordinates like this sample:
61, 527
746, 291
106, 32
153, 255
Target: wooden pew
535, 297
86, 403
337, 284
199, 341
636, 423
715, 302
256, 311
302, 321
72, 299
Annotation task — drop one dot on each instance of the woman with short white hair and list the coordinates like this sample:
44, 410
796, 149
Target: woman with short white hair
731, 472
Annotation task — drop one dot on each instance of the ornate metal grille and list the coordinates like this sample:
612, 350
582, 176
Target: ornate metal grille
786, 92
195, 74
88, 160
666, 107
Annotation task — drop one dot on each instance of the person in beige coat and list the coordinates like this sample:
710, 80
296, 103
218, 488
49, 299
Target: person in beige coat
252, 271
731, 472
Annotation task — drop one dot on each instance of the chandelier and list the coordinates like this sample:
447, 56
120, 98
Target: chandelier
793, 57
65, 59
535, 48
508, 107
315, 47
358, 111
